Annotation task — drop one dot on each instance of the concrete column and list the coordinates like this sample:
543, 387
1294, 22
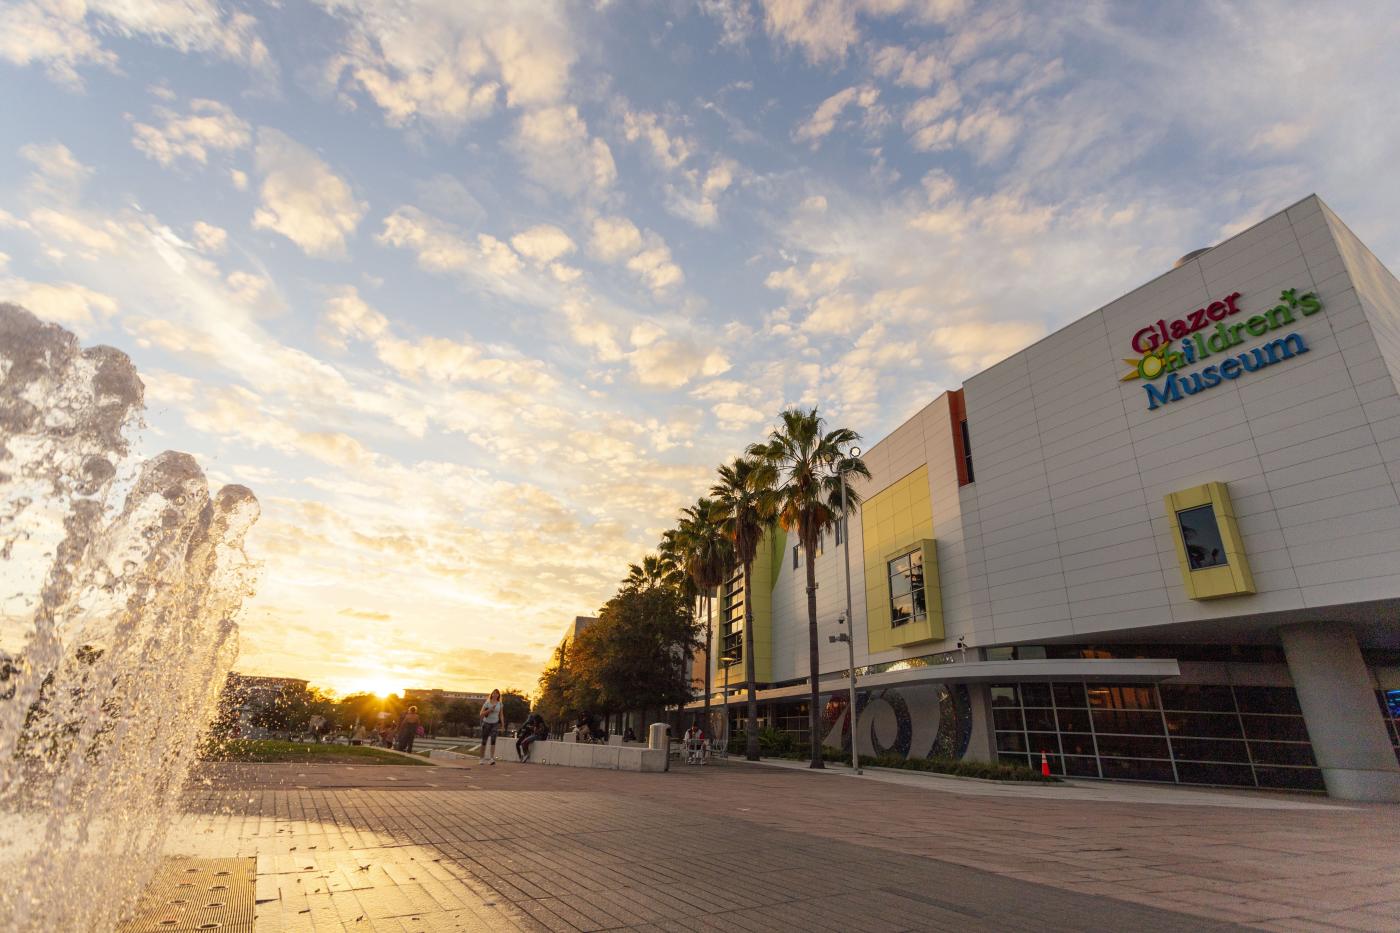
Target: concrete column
982, 746
1339, 706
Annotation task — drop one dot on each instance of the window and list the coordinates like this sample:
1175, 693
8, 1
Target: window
840, 524
907, 602
967, 451
731, 622
796, 559
1201, 534
732, 637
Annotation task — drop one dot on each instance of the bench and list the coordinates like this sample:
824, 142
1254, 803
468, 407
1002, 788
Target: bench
607, 757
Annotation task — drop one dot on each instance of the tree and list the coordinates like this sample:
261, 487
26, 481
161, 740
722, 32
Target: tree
672, 556
460, 713
746, 508
628, 659
292, 707
551, 701
363, 708
707, 556
515, 707
804, 465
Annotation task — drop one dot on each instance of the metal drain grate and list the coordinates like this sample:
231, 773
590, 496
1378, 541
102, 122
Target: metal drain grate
189, 894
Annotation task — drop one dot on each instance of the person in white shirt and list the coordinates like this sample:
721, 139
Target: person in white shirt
695, 750
490, 725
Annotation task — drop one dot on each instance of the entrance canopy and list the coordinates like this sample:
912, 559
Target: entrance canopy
1126, 670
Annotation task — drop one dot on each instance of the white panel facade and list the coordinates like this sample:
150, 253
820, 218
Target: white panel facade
1064, 535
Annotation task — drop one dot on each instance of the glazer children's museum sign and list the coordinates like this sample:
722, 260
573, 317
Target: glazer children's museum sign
1205, 333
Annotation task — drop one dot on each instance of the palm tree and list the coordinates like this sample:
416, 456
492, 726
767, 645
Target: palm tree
747, 510
672, 556
804, 464
707, 557
651, 572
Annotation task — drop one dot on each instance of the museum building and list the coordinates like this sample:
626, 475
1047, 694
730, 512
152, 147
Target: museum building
1161, 544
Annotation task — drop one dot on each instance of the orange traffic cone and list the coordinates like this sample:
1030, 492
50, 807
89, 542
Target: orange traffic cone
1044, 765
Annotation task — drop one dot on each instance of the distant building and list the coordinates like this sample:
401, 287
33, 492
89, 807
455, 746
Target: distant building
442, 697
248, 691
575, 629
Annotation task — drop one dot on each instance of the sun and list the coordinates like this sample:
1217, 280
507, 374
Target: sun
381, 686
379, 683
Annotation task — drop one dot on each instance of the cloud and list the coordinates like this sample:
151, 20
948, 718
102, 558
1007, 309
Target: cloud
670, 151
735, 18
670, 362
829, 111
442, 248
76, 307
823, 29
973, 346
302, 198
909, 67
348, 317
543, 243
731, 416
369, 614
653, 266
615, 238
208, 126
209, 238
691, 192
238, 412
64, 37
446, 63
73, 229
818, 278
560, 154
57, 175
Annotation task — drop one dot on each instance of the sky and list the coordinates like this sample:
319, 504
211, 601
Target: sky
475, 296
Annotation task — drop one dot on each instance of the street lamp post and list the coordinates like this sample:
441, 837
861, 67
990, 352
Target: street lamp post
726, 660
848, 635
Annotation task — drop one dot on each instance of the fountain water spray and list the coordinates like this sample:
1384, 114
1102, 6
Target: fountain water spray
119, 583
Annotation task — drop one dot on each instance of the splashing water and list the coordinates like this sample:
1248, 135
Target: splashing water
119, 584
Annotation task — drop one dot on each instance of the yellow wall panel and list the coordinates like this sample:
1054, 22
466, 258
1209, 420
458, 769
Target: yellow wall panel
895, 521
1234, 578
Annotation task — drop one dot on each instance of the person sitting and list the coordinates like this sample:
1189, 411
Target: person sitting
588, 730
695, 744
534, 729
630, 735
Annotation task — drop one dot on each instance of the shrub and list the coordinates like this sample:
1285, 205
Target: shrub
986, 770
772, 743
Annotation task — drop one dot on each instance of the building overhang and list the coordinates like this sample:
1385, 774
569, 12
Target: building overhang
1124, 670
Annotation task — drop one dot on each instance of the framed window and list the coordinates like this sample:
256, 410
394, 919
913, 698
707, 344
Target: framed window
1200, 532
967, 450
840, 524
907, 599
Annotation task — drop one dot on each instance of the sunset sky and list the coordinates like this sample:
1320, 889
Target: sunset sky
476, 295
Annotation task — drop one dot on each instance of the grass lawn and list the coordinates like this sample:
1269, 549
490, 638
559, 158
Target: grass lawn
269, 750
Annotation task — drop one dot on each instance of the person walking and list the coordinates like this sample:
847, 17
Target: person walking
408, 730
490, 725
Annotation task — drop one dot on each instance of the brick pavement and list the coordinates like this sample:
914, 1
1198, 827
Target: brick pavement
745, 848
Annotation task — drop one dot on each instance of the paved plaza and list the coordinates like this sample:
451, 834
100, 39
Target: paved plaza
745, 847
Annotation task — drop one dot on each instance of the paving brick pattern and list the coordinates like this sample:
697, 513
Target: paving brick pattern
744, 848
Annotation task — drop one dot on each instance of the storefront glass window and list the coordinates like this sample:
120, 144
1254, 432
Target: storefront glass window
1241, 736
1201, 534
